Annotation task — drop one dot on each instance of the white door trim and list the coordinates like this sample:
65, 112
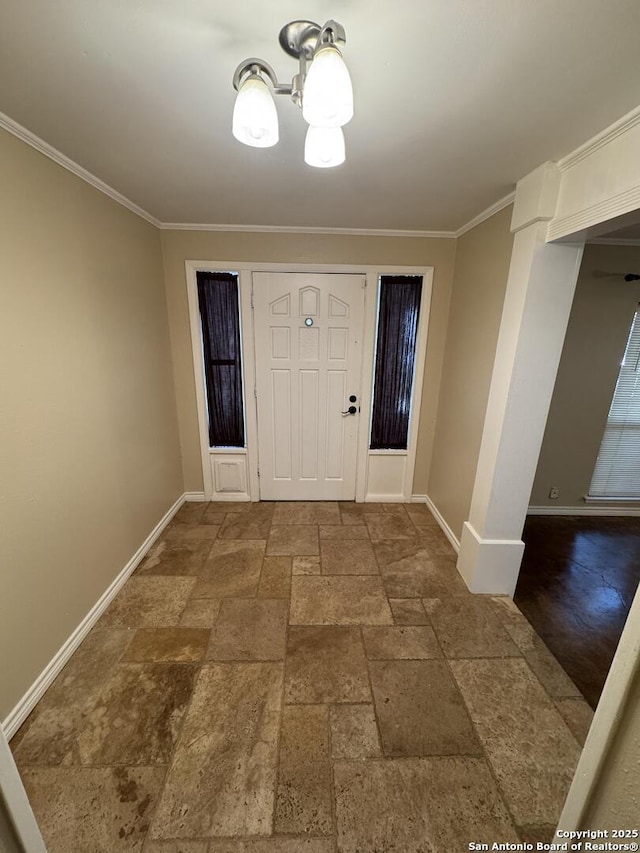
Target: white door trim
406, 461
245, 458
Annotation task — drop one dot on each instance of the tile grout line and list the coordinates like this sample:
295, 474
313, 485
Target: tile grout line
332, 781
180, 733
276, 786
485, 754
551, 698
373, 698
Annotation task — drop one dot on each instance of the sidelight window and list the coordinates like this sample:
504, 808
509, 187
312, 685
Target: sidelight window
221, 346
398, 314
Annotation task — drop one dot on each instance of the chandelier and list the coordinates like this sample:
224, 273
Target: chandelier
322, 88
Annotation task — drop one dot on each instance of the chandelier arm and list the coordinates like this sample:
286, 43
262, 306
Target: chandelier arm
252, 66
259, 66
331, 33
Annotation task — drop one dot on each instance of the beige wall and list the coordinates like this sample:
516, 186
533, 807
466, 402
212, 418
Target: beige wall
89, 458
481, 269
597, 333
179, 246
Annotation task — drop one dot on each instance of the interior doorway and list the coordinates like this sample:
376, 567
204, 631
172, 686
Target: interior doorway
581, 563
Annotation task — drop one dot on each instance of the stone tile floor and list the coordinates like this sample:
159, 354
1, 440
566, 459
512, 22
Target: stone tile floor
310, 677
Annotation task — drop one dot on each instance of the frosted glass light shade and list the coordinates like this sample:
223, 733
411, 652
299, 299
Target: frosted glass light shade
255, 120
324, 147
327, 100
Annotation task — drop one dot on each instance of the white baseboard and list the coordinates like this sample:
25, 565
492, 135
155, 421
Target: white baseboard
18, 715
385, 499
433, 509
489, 566
584, 510
194, 496
234, 497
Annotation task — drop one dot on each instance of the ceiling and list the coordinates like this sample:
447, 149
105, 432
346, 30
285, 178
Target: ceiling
455, 100
625, 235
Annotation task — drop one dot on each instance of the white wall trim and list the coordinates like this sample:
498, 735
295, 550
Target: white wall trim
486, 565
248, 344
369, 356
61, 159
486, 214
198, 372
304, 229
195, 496
435, 512
207, 453
385, 499
624, 124
573, 224
370, 323
584, 510
418, 380
362, 232
24, 707
448, 532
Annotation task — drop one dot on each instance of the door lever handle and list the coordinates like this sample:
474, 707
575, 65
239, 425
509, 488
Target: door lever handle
350, 411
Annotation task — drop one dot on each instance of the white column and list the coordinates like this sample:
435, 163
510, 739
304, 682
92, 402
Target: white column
539, 293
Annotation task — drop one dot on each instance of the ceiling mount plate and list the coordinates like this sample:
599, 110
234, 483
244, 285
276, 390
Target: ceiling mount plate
299, 37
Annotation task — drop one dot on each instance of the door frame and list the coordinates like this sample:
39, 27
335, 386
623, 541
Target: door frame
381, 475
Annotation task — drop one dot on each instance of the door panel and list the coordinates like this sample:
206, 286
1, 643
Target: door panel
305, 374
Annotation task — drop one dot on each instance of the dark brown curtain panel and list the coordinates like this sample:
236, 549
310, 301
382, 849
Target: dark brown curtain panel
395, 357
219, 314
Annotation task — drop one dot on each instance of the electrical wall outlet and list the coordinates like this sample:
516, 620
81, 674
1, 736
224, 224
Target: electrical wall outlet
554, 492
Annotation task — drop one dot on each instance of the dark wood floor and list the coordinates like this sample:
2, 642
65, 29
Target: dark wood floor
578, 579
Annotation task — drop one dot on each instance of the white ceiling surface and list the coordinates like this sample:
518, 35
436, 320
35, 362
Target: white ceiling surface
455, 100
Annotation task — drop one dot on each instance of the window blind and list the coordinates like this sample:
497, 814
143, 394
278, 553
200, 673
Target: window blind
617, 471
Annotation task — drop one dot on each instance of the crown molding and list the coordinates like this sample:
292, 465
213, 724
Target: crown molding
303, 229
61, 159
70, 165
357, 232
486, 214
605, 136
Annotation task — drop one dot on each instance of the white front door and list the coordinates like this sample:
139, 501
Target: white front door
308, 337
